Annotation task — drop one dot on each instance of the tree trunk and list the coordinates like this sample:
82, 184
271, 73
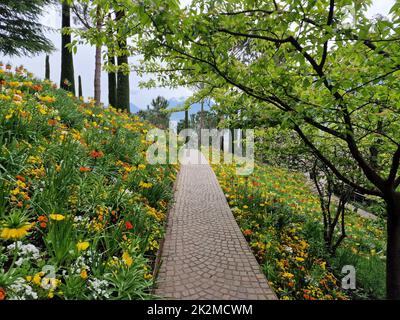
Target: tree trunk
112, 83
67, 81
122, 78
97, 76
393, 247
232, 140
97, 69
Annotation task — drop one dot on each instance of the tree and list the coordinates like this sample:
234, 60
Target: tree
155, 114
92, 23
80, 91
20, 32
67, 81
335, 85
47, 68
122, 74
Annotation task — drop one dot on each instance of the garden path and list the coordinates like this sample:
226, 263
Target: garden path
205, 255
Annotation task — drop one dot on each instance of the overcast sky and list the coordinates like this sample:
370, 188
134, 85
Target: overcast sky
84, 62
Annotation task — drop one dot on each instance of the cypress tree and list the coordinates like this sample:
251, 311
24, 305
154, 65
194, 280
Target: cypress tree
187, 123
47, 71
67, 81
122, 77
20, 32
80, 86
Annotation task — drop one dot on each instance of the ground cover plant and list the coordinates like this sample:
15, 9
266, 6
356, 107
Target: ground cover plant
280, 217
81, 213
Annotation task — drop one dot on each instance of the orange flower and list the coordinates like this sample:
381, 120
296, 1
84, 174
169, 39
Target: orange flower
96, 154
20, 178
42, 219
85, 169
37, 87
52, 122
247, 232
2, 294
43, 225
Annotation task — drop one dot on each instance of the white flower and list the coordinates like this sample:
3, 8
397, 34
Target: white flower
99, 288
289, 249
20, 290
25, 252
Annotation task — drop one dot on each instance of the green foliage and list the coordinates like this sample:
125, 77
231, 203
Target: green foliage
156, 113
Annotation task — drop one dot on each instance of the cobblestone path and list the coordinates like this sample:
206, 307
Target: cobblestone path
205, 255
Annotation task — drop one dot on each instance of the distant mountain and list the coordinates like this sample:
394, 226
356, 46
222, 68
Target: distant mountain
173, 103
134, 108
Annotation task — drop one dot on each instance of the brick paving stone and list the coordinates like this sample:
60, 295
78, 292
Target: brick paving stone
205, 255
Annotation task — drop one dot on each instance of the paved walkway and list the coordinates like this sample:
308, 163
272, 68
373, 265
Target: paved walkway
205, 255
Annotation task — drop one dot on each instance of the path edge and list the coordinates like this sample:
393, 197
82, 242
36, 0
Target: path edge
245, 240
158, 260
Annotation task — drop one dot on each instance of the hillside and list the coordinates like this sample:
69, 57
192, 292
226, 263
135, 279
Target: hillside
78, 202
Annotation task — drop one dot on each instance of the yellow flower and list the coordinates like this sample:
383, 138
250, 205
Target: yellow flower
300, 259
37, 278
28, 278
245, 207
83, 274
288, 275
14, 84
148, 276
82, 245
145, 185
127, 259
15, 233
141, 166
47, 99
56, 217
4, 97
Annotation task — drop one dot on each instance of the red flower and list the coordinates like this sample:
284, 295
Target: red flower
85, 169
96, 154
128, 225
2, 294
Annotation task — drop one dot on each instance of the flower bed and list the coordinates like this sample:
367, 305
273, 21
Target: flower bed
281, 219
81, 214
